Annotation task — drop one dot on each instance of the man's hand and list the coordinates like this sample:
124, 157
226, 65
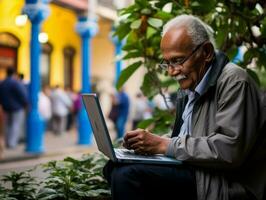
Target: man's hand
144, 142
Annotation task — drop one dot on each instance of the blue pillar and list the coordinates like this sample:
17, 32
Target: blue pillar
36, 12
118, 63
240, 55
118, 51
87, 29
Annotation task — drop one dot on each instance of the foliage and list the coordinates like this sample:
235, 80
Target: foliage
158, 117
74, 179
234, 23
23, 186
68, 179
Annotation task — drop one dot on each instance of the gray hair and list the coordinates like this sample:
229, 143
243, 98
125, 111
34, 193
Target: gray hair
196, 28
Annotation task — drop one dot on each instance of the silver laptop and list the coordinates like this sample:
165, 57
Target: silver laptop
103, 140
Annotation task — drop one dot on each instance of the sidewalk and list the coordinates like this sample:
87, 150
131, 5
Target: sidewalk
55, 148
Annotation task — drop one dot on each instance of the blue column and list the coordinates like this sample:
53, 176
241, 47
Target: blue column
240, 55
118, 63
87, 29
36, 12
118, 51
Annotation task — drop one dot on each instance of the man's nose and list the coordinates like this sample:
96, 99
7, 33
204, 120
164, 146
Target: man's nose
174, 70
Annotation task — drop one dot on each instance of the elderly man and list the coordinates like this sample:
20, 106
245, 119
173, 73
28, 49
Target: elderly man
218, 131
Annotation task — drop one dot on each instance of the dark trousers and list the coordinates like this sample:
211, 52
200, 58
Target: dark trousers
144, 182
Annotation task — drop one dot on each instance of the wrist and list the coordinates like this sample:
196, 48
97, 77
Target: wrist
164, 145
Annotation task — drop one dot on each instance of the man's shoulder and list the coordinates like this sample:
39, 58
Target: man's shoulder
233, 72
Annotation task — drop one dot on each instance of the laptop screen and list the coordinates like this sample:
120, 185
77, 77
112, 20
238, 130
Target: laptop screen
99, 128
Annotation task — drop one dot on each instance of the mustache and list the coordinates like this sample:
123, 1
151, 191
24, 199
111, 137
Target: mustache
180, 77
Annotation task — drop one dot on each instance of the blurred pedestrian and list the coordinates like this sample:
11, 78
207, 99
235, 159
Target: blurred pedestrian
70, 116
14, 100
122, 100
113, 114
61, 105
77, 104
21, 78
26, 84
45, 106
141, 110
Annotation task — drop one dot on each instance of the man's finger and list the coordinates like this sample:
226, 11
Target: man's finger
132, 140
137, 145
131, 134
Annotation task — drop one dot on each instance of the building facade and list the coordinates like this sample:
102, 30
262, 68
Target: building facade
60, 51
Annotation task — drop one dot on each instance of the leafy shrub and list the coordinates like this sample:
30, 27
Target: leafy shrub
23, 186
68, 179
75, 179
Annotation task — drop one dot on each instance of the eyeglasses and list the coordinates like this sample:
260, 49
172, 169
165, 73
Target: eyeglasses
174, 62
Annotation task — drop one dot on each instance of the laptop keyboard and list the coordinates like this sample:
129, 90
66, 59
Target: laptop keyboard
130, 154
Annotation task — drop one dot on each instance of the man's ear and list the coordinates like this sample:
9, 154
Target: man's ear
208, 51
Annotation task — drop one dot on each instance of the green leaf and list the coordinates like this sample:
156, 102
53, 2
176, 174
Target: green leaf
128, 46
163, 15
122, 30
162, 121
262, 75
263, 27
126, 73
261, 62
145, 123
150, 51
142, 3
232, 52
127, 10
134, 54
220, 37
132, 37
169, 82
145, 11
195, 4
135, 24
203, 6
250, 54
150, 32
150, 85
155, 22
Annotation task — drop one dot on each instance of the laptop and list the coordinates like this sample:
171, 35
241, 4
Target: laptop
103, 139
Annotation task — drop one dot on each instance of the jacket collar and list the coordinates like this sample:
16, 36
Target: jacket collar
219, 62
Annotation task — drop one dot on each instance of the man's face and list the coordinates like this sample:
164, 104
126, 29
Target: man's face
177, 45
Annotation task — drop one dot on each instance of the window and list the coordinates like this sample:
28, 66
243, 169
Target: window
69, 53
45, 63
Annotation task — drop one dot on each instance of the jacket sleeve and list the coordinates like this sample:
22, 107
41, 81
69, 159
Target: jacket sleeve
21, 93
234, 133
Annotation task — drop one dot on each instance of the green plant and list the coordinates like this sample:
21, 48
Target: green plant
70, 179
140, 26
4, 194
75, 179
23, 186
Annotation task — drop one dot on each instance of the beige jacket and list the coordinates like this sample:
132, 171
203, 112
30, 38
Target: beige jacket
227, 147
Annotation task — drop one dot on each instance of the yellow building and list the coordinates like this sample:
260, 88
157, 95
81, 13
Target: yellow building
60, 61
61, 51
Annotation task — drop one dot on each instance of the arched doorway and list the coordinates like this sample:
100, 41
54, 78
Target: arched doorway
69, 53
9, 44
